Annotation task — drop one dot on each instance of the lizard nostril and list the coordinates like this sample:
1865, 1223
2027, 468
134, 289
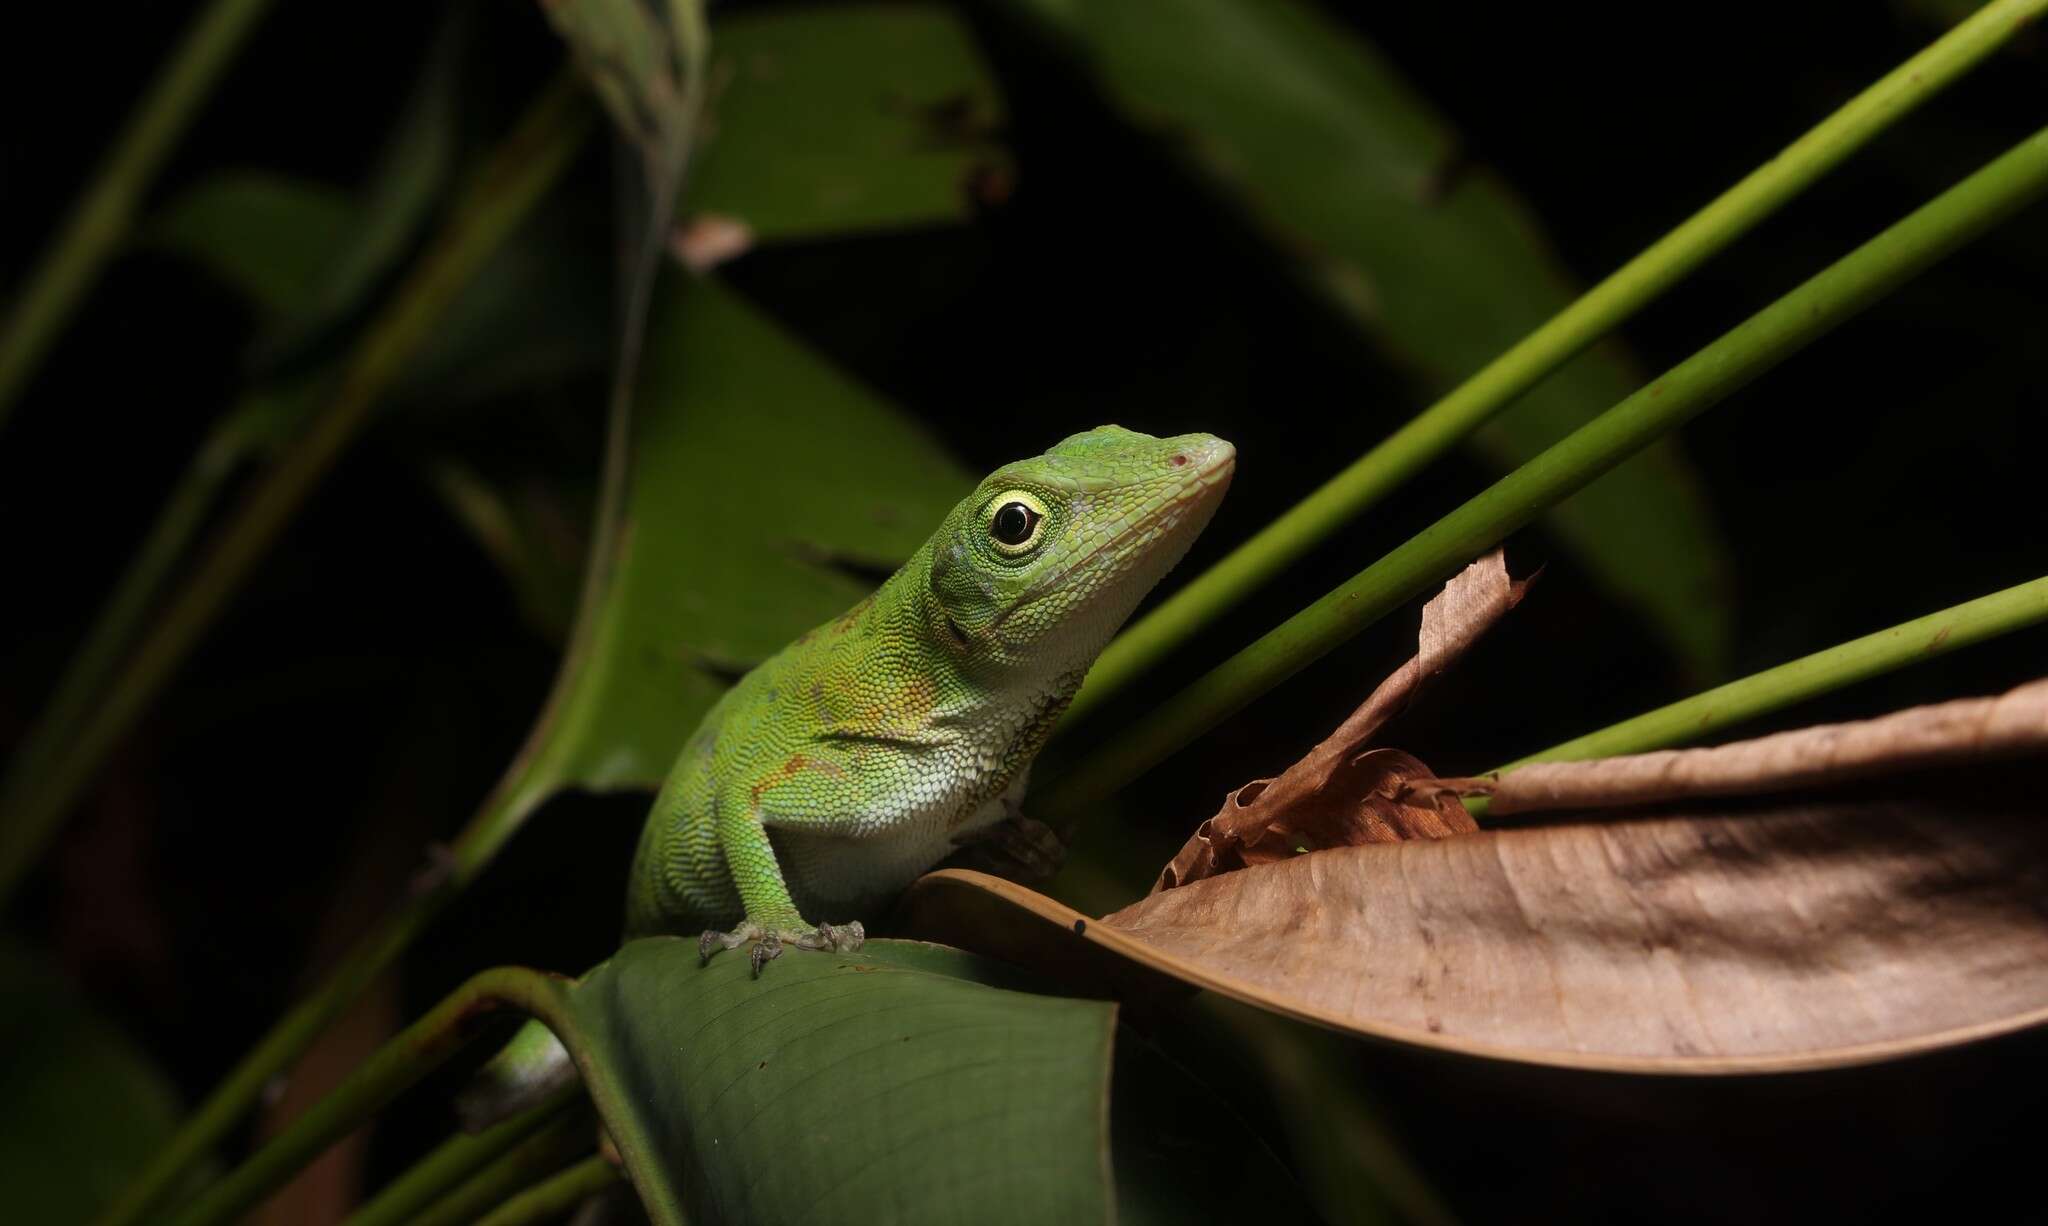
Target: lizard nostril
1178, 461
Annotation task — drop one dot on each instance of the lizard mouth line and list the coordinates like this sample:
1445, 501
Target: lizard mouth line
1204, 484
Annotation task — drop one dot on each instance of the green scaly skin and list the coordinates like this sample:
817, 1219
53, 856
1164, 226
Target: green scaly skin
858, 757
865, 752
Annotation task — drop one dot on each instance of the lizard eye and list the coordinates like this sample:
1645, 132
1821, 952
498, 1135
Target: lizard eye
1018, 523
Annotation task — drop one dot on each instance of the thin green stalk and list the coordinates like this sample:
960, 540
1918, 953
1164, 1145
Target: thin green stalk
498, 1184
1444, 424
416, 1051
455, 1160
1958, 215
518, 174
1774, 689
101, 217
555, 1195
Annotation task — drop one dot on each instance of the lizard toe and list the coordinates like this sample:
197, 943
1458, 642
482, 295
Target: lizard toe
714, 941
839, 938
768, 948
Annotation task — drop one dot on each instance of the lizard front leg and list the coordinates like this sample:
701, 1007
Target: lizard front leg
772, 919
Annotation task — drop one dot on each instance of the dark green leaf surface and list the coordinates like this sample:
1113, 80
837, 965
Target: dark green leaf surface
767, 490
269, 237
878, 118
896, 1084
1355, 181
80, 1108
1183, 1155
310, 255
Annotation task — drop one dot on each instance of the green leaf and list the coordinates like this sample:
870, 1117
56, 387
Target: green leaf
1359, 185
269, 237
901, 1083
768, 490
80, 1108
845, 118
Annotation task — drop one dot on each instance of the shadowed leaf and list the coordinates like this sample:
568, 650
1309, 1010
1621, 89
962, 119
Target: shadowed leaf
269, 237
900, 1083
80, 1108
1357, 183
880, 117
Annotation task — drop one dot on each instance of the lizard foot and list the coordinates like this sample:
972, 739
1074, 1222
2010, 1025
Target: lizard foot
767, 942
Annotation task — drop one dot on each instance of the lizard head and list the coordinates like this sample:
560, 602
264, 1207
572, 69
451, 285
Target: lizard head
1041, 564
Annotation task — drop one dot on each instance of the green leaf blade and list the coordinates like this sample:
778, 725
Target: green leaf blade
879, 118
80, 1108
892, 1084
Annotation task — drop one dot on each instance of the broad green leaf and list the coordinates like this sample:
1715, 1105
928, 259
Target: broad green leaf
767, 490
831, 119
269, 237
901, 1083
80, 1108
1358, 184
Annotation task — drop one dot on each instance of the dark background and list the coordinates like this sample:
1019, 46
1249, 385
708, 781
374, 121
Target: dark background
370, 683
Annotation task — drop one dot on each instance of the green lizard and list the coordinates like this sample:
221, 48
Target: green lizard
839, 770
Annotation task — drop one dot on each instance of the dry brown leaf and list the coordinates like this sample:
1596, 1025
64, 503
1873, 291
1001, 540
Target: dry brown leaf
1802, 934
1340, 794
1967, 729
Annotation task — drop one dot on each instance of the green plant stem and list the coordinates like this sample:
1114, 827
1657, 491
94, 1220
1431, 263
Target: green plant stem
101, 217
518, 173
454, 1161
416, 1051
1966, 210
1708, 712
1444, 424
556, 1194
535, 1158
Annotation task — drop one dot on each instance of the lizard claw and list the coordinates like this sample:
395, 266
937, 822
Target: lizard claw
839, 938
713, 941
767, 943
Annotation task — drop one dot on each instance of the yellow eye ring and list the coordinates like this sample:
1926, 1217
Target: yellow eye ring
1016, 523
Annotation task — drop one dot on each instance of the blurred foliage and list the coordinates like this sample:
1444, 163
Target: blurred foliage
80, 1107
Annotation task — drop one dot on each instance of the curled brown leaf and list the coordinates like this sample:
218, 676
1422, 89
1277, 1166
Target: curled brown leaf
1771, 936
1340, 794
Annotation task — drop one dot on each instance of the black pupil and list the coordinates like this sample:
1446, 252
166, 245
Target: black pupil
1014, 523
